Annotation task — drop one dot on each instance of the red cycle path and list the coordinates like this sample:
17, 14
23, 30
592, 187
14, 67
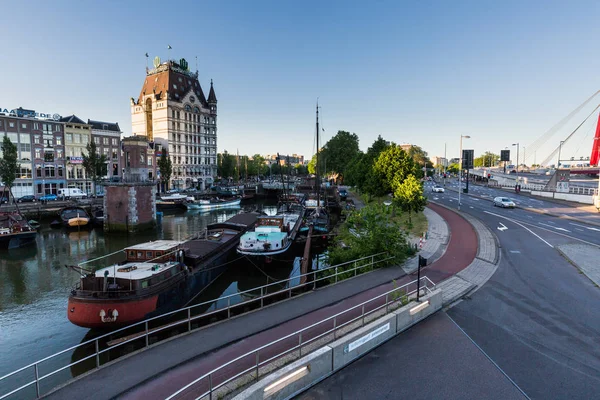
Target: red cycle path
461, 250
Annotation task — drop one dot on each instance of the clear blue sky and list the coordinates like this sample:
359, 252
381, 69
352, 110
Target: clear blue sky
420, 72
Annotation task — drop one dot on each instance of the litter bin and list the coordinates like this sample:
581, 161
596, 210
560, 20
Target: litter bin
465, 190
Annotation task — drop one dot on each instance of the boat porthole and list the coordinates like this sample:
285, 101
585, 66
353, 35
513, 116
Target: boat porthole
72, 309
277, 245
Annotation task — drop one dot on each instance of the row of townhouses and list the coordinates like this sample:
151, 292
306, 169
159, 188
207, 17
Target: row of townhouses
171, 112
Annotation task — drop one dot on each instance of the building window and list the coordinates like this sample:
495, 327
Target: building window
68, 138
114, 141
24, 126
36, 139
105, 141
60, 172
58, 141
97, 140
36, 125
56, 128
49, 172
49, 156
59, 154
115, 155
38, 153
149, 161
38, 172
77, 137
11, 124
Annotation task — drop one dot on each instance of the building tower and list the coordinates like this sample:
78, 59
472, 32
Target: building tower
172, 107
130, 205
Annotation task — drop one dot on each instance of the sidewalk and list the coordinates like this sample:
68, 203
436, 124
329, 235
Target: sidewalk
161, 369
585, 257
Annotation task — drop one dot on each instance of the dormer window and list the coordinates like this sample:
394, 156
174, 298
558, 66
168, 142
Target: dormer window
174, 86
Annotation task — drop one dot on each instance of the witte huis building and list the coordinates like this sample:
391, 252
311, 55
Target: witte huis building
172, 106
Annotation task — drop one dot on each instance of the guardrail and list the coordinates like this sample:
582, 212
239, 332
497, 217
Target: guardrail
148, 329
212, 376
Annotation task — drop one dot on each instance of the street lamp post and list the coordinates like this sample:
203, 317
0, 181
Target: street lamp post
559, 149
461, 168
517, 179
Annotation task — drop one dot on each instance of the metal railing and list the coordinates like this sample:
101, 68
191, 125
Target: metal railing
298, 341
146, 328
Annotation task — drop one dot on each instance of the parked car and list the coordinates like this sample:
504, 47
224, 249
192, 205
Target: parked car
504, 202
49, 197
437, 189
3, 199
27, 199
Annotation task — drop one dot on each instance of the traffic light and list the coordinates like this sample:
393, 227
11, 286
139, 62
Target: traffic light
489, 176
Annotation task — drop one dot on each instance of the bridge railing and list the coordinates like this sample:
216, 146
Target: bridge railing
147, 332
208, 383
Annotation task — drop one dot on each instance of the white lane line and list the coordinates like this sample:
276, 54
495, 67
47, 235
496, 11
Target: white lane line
555, 227
522, 226
475, 199
470, 206
586, 227
580, 230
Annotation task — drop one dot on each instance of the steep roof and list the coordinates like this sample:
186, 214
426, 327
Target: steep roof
72, 119
104, 126
212, 97
170, 78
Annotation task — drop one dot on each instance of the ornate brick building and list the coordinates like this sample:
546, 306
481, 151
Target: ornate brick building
172, 106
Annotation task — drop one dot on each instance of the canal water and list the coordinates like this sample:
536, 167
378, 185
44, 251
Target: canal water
35, 284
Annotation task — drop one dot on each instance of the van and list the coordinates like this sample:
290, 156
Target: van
71, 193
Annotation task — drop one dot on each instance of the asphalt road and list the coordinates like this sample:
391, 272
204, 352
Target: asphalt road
444, 364
538, 317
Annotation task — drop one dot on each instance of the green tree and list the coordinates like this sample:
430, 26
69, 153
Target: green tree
227, 165
393, 165
487, 159
420, 158
339, 151
312, 164
165, 167
408, 193
301, 169
367, 231
94, 164
8, 164
453, 168
256, 165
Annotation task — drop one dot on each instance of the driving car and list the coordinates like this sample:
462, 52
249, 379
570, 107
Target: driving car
49, 197
27, 199
437, 189
504, 202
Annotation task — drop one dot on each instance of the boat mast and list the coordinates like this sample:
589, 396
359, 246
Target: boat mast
318, 180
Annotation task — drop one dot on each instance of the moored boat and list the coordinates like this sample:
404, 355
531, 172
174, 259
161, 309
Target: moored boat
273, 234
15, 231
156, 277
213, 203
74, 217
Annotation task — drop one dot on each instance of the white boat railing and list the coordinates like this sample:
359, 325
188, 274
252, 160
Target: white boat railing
145, 329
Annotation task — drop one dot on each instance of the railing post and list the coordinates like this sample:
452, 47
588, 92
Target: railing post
336, 274
334, 327
386, 303
354, 268
189, 319
228, 307
210, 386
372, 263
97, 354
300, 343
261, 297
363, 315
314, 280
257, 362
37, 381
146, 325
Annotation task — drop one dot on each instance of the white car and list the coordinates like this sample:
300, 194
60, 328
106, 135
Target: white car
504, 202
437, 189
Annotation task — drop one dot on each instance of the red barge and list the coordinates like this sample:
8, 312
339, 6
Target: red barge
155, 278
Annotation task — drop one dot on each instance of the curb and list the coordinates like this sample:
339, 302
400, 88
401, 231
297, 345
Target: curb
476, 274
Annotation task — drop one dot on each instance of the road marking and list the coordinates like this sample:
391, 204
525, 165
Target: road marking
502, 227
586, 227
515, 251
580, 230
475, 199
555, 227
522, 226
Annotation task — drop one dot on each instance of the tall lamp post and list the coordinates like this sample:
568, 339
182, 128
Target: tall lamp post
559, 149
461, 168
517, 181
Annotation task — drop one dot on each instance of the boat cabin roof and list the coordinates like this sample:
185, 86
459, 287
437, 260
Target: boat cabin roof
135, 270
157, 245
